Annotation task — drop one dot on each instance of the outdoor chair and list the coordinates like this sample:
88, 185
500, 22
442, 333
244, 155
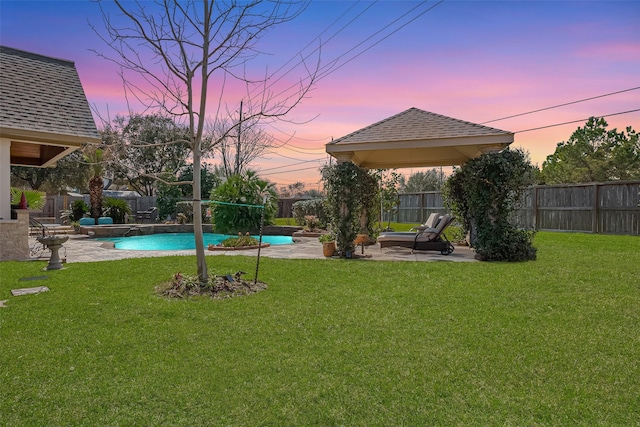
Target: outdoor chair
431, 222
149, 214
428, 239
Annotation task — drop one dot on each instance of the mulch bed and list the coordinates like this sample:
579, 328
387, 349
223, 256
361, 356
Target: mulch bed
219, 287
236, 248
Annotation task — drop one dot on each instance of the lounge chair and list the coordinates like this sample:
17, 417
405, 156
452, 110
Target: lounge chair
149, 214
429, 239
431, 222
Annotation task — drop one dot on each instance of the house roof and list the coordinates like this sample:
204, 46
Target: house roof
415, 138
43, 107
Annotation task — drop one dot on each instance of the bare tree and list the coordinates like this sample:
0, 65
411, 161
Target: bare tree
239, 148
184, 49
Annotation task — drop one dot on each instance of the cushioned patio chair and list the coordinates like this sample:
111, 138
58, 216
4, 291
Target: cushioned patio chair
429, 239
431, 222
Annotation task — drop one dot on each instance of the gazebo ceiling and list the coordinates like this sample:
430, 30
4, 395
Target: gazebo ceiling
418, 138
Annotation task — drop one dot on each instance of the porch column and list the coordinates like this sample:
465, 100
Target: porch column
5, 179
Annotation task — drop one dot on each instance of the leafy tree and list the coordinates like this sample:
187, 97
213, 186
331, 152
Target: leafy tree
483, 193
144, 148
594, 154
178, 47
168, 196
240, 194
209, 180
430, 180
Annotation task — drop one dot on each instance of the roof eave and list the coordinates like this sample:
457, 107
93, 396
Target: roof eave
38, 137
504, 138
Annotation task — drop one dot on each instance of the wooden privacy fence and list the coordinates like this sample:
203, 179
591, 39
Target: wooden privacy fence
55, 204
607, 207
416, 207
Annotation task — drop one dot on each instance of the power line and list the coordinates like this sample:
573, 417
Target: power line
577, 121
285, 146
293, 170
562, 105
289, 165
331, 67
293, 158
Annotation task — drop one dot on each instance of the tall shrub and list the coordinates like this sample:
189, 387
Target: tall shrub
483, 194
78, 209
314, 207
116, 209
240, 194
351, 201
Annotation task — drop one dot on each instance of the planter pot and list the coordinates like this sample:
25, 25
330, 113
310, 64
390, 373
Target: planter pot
328, 248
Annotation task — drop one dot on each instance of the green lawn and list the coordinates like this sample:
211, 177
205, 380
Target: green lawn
331, 342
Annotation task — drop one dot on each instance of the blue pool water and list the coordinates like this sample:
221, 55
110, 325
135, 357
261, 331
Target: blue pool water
180, 241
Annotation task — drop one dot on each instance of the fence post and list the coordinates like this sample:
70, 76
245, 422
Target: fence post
595, 214
534, 207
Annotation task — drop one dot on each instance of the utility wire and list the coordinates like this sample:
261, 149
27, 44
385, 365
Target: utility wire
293, 170
576, 121
335, 68
289, 165
562, 105
331, 67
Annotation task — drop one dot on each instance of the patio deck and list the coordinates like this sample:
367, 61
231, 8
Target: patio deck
81, 248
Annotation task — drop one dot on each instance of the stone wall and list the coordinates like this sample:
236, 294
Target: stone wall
14, 237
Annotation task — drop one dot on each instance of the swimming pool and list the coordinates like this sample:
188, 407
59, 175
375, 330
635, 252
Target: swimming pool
179, 241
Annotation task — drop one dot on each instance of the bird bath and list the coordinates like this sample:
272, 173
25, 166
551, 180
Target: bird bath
54, 243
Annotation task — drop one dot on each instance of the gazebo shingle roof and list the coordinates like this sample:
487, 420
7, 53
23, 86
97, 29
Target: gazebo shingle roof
418, 138
415, 124
42, 94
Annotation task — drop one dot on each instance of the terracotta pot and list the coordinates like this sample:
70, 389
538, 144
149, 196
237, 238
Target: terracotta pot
328, 248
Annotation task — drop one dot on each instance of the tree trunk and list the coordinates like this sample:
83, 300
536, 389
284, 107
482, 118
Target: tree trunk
95, 197
201, 261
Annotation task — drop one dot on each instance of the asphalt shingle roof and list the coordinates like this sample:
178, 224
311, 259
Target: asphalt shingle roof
43, 94
414, 125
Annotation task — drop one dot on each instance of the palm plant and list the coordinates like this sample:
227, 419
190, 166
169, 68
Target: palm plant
95, 156
35, 199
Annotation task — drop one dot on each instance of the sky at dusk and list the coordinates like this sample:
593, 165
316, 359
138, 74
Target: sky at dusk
472, 60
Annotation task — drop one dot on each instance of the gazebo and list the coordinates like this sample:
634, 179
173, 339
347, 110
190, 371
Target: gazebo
44, 115
417, 138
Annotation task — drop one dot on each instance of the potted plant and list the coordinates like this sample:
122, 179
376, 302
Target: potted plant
328, 241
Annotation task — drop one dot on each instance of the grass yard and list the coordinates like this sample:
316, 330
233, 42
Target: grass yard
331, 342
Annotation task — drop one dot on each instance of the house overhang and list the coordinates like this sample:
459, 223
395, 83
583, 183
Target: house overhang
40, 149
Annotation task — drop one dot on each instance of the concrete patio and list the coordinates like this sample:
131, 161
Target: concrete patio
81, 248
